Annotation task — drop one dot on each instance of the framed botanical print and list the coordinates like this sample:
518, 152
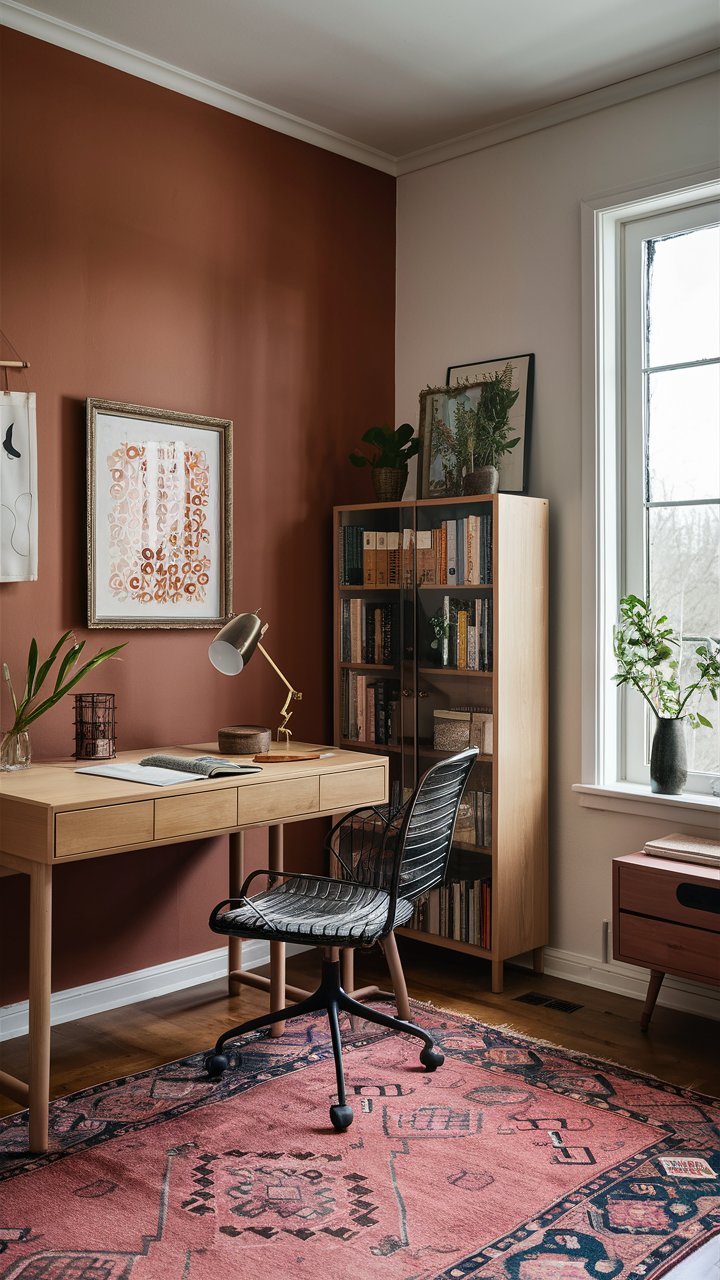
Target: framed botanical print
159, 502
515, 465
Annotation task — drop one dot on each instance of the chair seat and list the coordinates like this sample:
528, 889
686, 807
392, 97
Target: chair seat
315, 910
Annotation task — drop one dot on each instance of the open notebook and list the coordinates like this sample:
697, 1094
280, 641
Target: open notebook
171, 771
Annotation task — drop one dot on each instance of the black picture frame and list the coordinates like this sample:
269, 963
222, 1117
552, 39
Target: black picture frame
515, 466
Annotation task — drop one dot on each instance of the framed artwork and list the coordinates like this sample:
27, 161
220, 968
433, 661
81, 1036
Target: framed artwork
18, 487
514, 466
440, 470
159, 501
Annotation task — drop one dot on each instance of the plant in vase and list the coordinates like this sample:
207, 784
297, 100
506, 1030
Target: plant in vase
648, 654
482, 432
391, 450
15, 745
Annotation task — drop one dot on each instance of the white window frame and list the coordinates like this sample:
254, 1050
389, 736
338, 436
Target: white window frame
604, 223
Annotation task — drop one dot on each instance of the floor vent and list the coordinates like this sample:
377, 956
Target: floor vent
536, 997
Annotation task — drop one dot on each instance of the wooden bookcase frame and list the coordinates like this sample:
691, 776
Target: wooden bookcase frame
519, 688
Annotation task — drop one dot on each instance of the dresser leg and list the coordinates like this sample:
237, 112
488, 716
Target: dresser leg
654, 985
236, 875
277, 949
497, 977
538, 956
40, 950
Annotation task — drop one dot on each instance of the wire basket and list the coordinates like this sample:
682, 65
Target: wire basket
94, 726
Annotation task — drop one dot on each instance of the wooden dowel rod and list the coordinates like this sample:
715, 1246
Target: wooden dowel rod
11, 1087
14, 364
257, 980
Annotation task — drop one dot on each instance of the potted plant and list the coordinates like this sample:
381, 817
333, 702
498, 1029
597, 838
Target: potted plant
15, 745
648, 657
482, 432
391, 450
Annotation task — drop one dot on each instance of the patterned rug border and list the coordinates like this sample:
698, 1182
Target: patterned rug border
12, 1164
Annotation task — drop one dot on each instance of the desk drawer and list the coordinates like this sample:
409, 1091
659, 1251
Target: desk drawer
262, 802
669, 895
108, 827
349, 790
187, 815
672, 948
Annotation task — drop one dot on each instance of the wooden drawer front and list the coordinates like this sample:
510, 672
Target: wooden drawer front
652, 892
349, 790
109, 827
267, 801
186, 815
673, 948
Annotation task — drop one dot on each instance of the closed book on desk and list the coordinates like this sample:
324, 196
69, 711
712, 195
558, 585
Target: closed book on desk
685, 849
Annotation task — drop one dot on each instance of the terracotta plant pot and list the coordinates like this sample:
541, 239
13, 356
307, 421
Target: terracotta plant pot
389, 483
484, 480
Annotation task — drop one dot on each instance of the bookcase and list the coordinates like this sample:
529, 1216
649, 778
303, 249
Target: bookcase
441, 638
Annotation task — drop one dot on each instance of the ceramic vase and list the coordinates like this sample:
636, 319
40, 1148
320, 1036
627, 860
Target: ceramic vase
668, 758
484, 480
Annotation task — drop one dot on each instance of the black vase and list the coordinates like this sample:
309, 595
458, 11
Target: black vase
668, 758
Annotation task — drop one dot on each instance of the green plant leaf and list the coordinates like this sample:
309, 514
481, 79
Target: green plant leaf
44, 669
704, 720
68, 662
359, 460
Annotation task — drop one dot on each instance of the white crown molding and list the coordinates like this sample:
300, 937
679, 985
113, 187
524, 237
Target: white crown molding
584, 104
54, 31
22, 18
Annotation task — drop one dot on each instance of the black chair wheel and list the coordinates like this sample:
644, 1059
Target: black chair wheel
432, 1059
341, 1116
215, 1065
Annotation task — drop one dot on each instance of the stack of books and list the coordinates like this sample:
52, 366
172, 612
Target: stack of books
370, 710
468, 640
458, 553
698, 849
458, 909
369, 557
367, 632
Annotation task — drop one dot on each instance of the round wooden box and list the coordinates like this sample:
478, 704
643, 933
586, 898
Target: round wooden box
244, 739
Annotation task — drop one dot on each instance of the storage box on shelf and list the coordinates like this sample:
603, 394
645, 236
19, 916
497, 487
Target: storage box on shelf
440, 643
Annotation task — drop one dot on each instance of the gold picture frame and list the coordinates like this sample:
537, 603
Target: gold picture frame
159, 517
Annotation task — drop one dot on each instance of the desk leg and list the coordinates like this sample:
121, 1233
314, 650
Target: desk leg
40, 944
236, 875
653, 991
277, 949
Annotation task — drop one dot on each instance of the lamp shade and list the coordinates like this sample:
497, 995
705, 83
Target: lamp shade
235, 644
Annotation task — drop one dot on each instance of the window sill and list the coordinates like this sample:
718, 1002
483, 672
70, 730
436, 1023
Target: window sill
692, 810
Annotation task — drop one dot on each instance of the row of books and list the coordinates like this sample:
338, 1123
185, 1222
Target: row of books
367, 632
456, 554
459, 909
369, 710
474, 820
372, 557
466, 639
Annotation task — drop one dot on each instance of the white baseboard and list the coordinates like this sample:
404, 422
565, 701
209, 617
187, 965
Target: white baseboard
129, 988
629, 980
190, 971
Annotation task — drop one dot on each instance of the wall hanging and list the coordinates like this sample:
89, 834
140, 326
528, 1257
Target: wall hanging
18, 480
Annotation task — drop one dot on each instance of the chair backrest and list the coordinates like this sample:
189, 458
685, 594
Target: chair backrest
425, 838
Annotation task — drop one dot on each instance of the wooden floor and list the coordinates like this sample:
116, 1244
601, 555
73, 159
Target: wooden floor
679, 1047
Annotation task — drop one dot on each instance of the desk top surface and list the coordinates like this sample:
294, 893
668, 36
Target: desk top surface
56, 784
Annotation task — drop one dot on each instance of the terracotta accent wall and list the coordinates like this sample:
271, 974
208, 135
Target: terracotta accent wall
158, 251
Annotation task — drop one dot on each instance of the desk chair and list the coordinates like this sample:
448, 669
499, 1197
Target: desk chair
385, 863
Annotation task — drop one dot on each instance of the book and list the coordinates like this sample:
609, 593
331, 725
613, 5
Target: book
685, 848
393, 554
369, 558
381, 559
200, 766
140, 773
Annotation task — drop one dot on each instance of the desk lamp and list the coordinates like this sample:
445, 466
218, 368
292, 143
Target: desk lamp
232, 649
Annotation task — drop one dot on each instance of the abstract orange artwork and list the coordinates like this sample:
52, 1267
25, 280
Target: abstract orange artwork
159, 534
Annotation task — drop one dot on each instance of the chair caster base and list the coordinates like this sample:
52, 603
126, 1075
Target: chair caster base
432, 1059
215, 1064
341, 1116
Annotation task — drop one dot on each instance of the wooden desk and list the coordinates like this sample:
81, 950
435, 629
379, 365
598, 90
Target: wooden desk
49, 815
666, 916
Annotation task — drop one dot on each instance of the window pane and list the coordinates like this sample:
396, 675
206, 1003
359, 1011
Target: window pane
683, 281
703, 745
684, 434
684, 565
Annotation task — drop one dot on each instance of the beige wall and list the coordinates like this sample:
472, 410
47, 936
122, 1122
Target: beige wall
489, 265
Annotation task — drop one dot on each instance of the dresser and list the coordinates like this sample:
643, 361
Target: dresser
666, 917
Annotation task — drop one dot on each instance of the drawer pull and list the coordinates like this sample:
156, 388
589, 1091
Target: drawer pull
699, 897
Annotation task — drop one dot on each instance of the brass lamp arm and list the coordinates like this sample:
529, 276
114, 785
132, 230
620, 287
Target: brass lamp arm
292, 694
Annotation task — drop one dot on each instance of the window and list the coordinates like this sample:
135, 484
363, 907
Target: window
656, 420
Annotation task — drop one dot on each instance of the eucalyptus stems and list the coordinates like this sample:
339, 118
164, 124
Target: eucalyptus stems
28, 708
647, 652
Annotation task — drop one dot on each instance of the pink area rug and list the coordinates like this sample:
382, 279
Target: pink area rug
514, 1161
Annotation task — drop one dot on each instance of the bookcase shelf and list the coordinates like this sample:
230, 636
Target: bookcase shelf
496, 892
